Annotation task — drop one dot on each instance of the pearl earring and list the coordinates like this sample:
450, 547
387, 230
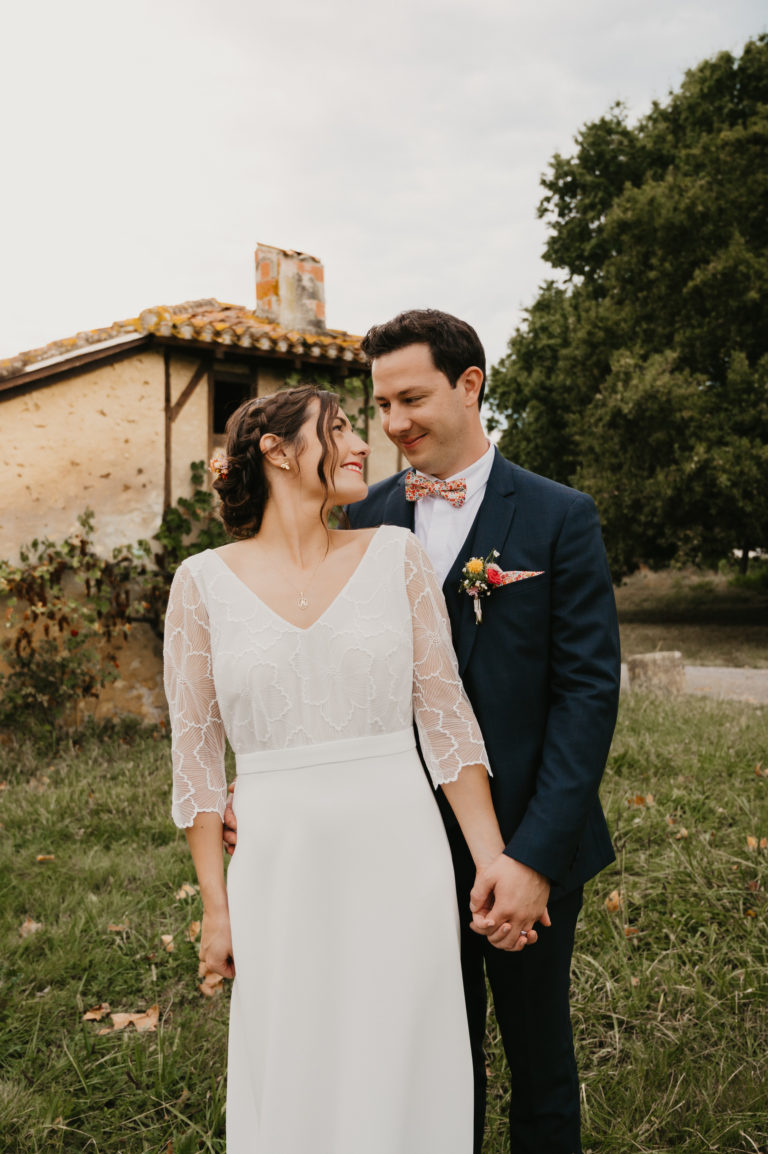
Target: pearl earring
284, 465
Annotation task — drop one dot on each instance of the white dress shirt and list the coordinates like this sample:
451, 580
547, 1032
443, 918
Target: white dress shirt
441, 528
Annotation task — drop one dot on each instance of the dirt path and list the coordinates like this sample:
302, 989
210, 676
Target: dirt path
722, 682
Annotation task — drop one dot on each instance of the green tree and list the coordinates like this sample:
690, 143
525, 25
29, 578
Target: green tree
642, 377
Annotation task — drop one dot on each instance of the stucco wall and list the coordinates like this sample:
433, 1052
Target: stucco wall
189, 433
385, 458
93, 440
97, 440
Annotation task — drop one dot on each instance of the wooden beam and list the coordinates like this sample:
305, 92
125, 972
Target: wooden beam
189, 388
168, 430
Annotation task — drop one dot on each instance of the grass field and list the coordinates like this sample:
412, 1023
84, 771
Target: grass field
670, 989
711, 621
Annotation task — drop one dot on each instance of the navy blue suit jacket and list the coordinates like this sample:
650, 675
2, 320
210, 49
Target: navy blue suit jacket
542, 669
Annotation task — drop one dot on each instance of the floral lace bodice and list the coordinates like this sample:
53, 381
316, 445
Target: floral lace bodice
379, 657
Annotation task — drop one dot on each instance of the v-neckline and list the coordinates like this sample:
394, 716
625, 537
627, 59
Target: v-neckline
329, 606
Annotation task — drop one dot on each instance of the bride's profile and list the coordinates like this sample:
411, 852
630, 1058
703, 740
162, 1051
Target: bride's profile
312, 651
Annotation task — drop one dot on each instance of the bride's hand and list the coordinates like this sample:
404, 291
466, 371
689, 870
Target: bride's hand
216, 944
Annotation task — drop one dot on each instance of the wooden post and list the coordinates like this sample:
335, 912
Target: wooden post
168, 425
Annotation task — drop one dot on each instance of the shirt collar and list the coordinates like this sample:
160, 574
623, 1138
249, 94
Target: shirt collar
476, 475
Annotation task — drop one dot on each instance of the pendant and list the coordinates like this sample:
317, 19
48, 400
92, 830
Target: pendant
303, 603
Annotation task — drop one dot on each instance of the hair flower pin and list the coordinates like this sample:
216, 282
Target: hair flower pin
480, 576
219, 466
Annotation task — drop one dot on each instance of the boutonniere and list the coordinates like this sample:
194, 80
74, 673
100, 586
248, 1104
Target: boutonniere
480, 577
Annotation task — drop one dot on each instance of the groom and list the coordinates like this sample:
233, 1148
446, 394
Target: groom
542, 672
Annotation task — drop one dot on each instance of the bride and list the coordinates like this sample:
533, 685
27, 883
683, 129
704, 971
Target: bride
312, 651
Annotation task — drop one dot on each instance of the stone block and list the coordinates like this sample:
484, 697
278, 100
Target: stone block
659, 672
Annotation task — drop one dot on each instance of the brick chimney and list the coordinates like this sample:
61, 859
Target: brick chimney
290, 289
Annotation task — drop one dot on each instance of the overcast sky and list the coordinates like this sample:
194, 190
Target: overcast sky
147, 147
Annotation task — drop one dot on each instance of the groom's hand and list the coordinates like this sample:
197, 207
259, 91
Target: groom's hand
506, 899
230, 823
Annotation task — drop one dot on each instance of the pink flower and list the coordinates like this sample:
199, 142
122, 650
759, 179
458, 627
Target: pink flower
494, 574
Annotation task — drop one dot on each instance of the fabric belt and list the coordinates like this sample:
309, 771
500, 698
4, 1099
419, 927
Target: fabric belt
326, 752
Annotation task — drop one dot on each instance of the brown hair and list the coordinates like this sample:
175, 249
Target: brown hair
454, 344
244, 490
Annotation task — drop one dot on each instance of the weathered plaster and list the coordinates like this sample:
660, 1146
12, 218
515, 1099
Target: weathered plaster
189, 432
95, 440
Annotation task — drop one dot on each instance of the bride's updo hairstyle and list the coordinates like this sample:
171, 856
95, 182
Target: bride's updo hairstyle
243, 486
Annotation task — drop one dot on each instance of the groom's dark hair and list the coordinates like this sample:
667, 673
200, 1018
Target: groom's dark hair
455, 346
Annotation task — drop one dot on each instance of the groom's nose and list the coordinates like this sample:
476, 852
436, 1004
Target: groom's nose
399, 421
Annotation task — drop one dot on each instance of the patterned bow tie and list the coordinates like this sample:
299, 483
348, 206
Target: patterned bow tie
418, 486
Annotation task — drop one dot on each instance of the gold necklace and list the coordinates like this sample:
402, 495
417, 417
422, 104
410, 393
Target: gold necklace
303, 601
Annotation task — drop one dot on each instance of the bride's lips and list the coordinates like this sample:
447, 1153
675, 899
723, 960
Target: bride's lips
355, 466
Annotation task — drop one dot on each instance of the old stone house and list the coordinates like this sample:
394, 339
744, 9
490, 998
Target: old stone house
112, 418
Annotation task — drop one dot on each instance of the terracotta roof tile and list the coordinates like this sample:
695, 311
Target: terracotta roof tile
200, 320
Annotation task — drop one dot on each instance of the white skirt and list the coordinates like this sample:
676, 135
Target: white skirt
348, 1031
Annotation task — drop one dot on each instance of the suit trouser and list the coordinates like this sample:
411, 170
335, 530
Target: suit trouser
530, 992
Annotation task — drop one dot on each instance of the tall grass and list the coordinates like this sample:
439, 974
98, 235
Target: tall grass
669, 995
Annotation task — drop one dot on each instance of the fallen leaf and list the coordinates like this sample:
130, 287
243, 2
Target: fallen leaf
613, 902
97, 1013
193, 929
764, 843
28, 927
45, 857
188, 890
630, 931
759, 771
635, 981
167, 940
670, 820
751, 841
143, 1021
148, 1020
638, 799
682, 833
754, 886
751, 914
117, 927
650, 799
211, 982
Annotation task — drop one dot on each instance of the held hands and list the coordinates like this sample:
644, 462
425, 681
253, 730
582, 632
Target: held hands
506, 899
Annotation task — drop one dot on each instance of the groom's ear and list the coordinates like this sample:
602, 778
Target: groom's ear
471, 383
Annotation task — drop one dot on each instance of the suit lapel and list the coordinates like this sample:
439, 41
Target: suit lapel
489, 531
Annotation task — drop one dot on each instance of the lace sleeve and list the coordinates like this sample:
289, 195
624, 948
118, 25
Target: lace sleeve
448, 731
198, 742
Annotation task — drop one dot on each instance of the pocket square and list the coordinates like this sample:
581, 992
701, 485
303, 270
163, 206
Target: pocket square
499, 576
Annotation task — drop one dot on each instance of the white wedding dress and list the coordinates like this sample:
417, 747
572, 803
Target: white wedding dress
348, 1032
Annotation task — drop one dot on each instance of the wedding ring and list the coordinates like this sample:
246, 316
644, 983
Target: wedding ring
523, 933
